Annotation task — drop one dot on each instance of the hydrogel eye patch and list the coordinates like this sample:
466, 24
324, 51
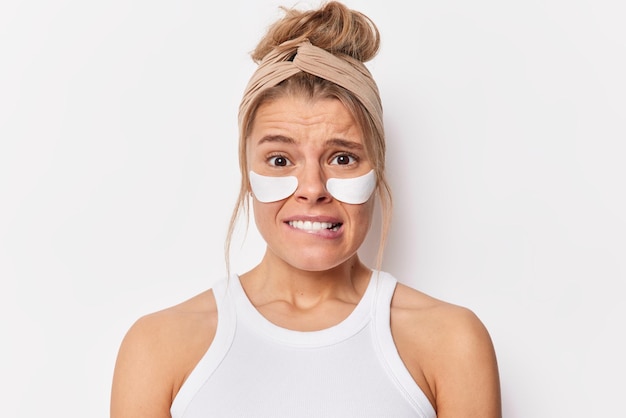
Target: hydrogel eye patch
355, 191
272, 189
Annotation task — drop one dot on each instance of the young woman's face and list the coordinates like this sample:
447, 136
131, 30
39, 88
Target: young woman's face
311, 142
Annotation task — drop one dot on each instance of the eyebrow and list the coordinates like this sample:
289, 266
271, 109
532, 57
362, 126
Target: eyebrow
343, 143
276, 138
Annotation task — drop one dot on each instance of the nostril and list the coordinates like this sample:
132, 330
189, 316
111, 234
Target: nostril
312, 189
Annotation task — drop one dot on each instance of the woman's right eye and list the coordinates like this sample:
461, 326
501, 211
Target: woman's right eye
279, 161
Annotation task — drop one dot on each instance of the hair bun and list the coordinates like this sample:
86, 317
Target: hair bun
333, 27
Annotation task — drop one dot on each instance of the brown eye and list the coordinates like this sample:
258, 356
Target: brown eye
279, 161
344, 159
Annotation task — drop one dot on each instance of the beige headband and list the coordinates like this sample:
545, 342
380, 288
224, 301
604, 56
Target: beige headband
285, 61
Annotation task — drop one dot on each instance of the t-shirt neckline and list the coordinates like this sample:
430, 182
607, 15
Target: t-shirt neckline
349, 326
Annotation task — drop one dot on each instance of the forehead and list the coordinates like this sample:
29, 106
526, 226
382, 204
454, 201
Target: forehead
304, 119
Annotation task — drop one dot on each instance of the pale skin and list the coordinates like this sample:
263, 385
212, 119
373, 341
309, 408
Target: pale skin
310, 280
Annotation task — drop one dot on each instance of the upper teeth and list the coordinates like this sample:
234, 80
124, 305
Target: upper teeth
313, 226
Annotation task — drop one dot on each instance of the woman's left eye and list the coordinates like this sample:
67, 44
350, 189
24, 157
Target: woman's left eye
344, 159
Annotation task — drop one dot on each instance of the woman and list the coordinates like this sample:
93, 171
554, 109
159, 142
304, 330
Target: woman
311, 330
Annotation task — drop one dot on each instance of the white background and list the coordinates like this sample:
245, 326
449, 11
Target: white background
118, 172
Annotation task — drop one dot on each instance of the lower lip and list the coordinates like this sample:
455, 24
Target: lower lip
322, 233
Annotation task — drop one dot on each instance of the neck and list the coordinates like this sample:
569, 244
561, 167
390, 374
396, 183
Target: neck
274, 280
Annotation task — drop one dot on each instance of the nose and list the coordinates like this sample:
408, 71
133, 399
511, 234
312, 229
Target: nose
312, 186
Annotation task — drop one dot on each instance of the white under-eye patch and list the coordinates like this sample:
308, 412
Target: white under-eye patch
272, 189
355, 191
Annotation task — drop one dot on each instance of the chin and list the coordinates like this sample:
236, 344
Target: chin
316, 262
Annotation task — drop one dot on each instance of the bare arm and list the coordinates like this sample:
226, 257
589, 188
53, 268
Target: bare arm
141, 386
467, 382
157, 355
449, 353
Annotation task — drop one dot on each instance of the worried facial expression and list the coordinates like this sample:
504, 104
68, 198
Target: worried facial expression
299, 149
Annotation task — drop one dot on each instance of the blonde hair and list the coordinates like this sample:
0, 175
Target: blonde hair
342, 32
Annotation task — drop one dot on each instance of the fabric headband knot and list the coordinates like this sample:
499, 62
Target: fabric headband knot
289, 59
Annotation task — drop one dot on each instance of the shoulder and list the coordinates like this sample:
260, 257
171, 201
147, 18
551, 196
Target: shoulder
161, 333
157, 354
443, 322
448, 351
176, 321
431, 326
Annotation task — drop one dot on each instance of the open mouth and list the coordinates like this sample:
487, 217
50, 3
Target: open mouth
315, 226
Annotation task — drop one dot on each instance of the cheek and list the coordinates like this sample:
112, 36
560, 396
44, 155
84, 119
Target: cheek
362, 215
264, 214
